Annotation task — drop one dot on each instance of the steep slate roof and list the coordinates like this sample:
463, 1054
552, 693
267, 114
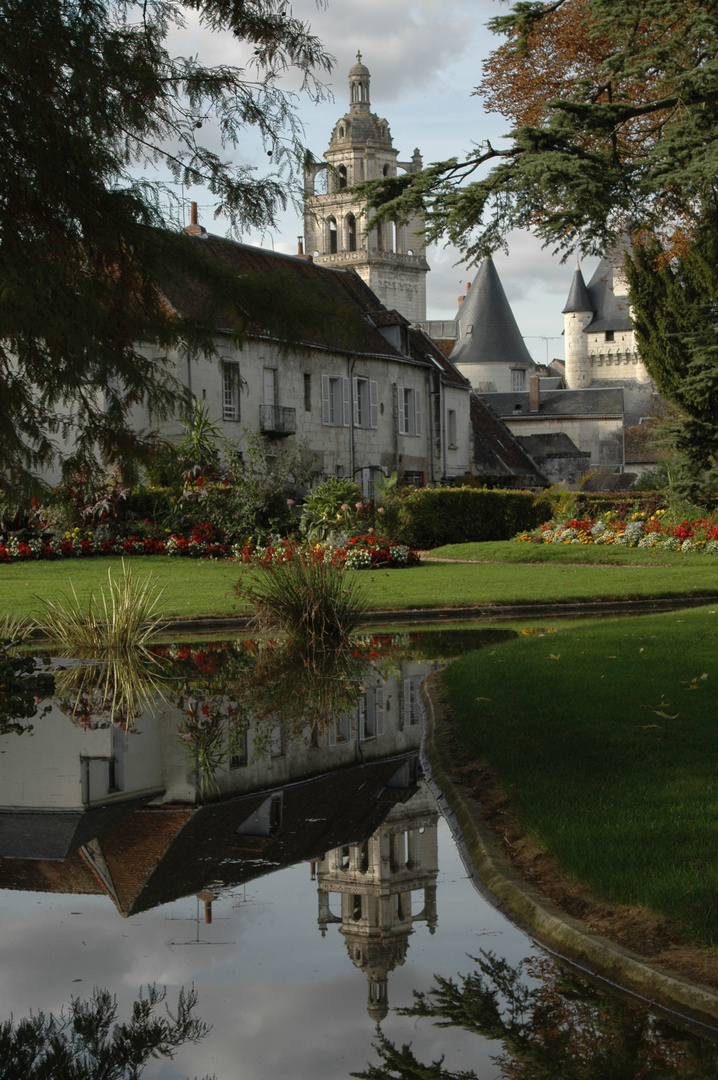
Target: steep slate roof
496, 449
611, 312
605, 401
346, 300
422, 347
578, 298
494, 337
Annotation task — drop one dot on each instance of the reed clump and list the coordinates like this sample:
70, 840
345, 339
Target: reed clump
310, 602
120, 618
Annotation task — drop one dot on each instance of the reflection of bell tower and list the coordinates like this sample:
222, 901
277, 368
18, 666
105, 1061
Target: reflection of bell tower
390, 257
377, 881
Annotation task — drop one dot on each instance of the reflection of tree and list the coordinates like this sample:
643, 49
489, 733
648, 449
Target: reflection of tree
562, 1029
117, 689
85, 1042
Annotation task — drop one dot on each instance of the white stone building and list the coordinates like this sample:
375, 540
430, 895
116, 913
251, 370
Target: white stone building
364, 394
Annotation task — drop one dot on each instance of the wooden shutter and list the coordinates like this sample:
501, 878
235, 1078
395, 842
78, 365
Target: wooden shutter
380, 710
346, 404
417, 412
374, 403
326, 389
402, 411
355, 383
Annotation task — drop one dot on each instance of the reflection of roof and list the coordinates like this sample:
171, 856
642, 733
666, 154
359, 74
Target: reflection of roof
161, 853
605, 401
488, 332
55, 834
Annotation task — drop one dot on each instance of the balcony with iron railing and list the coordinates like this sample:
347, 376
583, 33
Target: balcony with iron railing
277, 420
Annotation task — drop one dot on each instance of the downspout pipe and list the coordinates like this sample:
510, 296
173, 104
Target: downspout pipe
350, 370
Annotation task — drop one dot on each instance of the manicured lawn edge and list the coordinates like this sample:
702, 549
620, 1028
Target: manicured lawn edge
499, 882
197, 587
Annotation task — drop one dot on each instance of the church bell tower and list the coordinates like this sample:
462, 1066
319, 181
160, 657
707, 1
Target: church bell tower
390, 257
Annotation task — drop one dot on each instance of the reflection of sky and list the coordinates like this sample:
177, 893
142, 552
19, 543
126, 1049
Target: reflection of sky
282, 1000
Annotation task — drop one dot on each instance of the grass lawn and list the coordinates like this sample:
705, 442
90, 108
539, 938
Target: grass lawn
608, 554
605, 735
201, 587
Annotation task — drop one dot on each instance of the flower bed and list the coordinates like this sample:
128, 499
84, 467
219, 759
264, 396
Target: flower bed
204, 542
640, 531
360, 553
201, 543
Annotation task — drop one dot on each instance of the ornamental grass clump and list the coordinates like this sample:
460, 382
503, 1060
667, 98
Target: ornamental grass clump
121, 618
310, 601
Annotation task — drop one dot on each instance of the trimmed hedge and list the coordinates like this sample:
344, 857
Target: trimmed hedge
430, 517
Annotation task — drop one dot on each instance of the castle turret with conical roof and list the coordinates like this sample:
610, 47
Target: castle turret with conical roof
390, 257
490, 351
577, 314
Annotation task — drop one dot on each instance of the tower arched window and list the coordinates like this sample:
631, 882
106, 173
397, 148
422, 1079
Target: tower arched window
341, 132
332, 230
342, 176
394, 234
385, 171
350, 225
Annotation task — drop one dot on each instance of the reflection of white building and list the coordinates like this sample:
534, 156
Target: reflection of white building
68, 783
384, 885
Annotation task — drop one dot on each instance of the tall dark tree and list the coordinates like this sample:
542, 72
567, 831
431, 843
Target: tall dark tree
675, 306
614, 107
91, 102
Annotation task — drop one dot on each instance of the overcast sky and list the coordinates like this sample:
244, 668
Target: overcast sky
425, 59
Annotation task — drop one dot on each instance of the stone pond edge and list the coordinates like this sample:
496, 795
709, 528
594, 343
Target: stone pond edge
566, 937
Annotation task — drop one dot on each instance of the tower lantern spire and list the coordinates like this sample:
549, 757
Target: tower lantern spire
359, 86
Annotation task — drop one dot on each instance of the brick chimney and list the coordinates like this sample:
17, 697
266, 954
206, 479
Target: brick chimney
534, 393
462, 298
194, 229
300, 250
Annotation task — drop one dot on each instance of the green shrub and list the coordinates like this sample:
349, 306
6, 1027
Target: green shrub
430, 517
332, 507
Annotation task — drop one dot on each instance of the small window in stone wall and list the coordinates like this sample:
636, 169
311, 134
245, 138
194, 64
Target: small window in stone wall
307, 392
518, 380
609, 335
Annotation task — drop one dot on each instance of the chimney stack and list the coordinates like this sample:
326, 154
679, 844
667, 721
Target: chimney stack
194, 228
534, 393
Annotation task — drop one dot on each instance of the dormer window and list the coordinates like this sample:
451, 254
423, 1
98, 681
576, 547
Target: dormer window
469, 329
609, 335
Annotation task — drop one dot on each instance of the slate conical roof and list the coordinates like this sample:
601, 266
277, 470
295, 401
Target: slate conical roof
578, 298
611, 312
488, 331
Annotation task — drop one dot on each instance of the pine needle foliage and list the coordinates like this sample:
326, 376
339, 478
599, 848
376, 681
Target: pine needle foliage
102, 125
86, 1041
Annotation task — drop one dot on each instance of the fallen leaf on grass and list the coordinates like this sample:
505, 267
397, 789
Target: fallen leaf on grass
483, 699
554, 657
665, 715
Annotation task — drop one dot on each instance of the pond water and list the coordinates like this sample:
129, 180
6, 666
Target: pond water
256, 824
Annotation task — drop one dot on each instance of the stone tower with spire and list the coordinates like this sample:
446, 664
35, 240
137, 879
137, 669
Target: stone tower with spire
390, 257
601, 347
